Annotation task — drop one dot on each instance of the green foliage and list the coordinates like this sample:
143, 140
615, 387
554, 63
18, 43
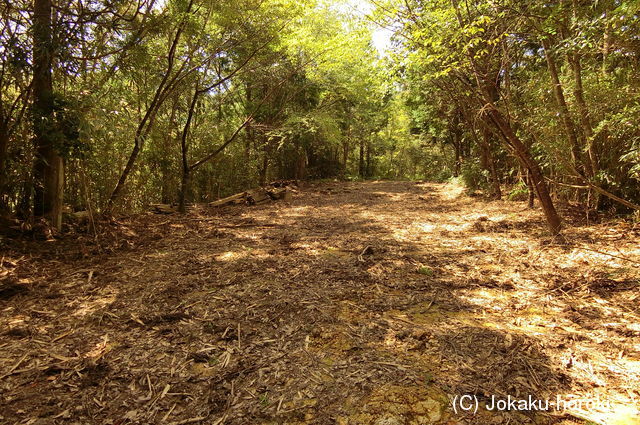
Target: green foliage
519, 192
448, 53
426, 271
318, 99
65, 130
473, 176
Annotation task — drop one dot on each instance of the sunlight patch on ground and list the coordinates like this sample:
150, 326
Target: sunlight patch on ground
16, 320
427, 227
159, 254
334, 252
296, 212
456, 228
452, 191
484, 297
310, 248
231, 256
395, 404
246, 252
92, 305
624, 414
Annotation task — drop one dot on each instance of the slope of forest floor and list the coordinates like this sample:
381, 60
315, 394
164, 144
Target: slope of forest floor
357, 303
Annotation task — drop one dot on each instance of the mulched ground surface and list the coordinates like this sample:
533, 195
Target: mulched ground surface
357, 303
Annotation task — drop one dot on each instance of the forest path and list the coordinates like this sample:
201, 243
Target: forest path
358, 303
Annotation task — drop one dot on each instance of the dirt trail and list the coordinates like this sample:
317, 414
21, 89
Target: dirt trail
359, 303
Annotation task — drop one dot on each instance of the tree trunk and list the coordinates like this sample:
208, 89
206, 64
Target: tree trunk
583, 110
301, 165
146, 123
512, 140
532, 196
456, 140
457, 161
542, 191
565, 116
368, 170
166, 164
4, 143
48, 168
361, 164
184, 187
606, 45
249, 140
346, 144
489, 95
264, 168
186, 170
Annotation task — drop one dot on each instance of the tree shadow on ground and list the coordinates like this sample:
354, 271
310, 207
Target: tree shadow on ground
336, 308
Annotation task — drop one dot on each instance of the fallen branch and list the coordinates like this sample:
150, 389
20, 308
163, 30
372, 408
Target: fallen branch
238, 198
189, 421
590, 185
15, 366
612, 196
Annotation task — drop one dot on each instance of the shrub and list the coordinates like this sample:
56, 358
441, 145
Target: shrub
473, 176
519, 192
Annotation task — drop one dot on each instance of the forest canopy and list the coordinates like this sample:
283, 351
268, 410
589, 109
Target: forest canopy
109, 106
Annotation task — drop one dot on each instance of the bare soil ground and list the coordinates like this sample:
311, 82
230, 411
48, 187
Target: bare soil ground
358, 303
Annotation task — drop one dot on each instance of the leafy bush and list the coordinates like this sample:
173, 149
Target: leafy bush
473, 176
519, 192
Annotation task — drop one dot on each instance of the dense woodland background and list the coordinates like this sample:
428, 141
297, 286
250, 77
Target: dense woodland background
109, 106
376, 292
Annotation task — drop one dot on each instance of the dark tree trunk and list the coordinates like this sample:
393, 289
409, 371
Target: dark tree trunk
457, 160
606, 45
146, 123
250, 136
361, 164
23, 210
486, 100
368, 170
532, 196
346, 145
186, 169
456, 138
4, 143
166, 164
301, 165
48, 167
264, 168
184, 188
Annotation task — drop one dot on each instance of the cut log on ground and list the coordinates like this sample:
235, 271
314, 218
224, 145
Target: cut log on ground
79, 216
275, 191
238, 198
166, 208
281, 193
163, 208
257, 196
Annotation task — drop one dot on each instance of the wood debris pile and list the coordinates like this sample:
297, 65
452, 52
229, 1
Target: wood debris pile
275, 191
279, 190
256, 196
